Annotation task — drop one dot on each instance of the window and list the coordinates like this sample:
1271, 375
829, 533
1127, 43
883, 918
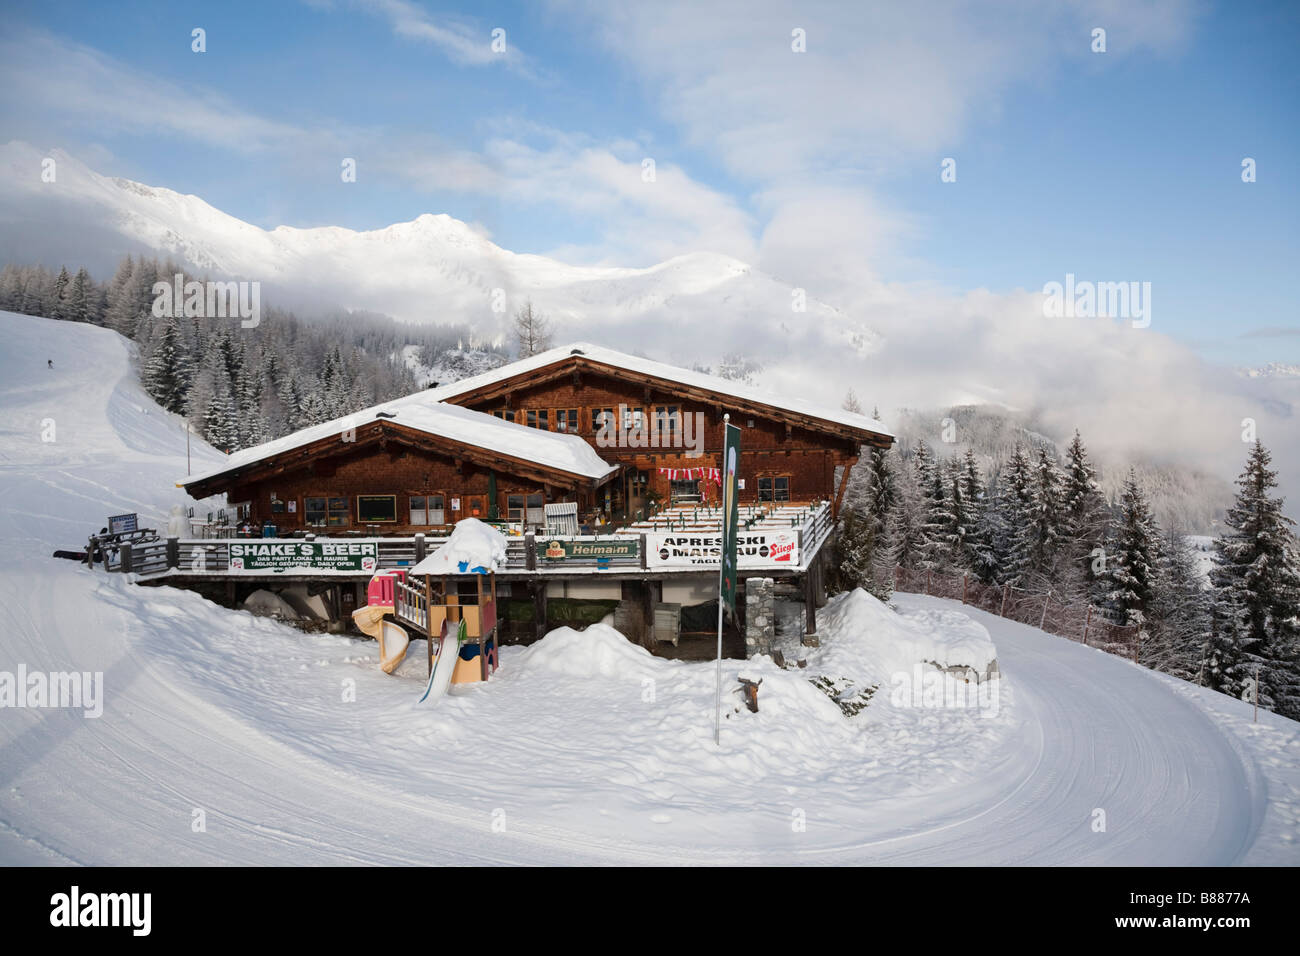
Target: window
427, 509
599, 416
525, 509
314, 512
637, 482
505, 414
536, 513
774, 488
566, 419
633, 418
277, 506
667, 418
687, 490
339, 513
320, 512
538, 418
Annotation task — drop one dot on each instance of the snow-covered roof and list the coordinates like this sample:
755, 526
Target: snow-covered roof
423, 412
671, 373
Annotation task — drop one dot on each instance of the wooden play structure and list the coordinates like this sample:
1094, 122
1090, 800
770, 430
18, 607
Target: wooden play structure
453, 623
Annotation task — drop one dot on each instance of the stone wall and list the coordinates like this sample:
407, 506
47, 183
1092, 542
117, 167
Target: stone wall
760, 616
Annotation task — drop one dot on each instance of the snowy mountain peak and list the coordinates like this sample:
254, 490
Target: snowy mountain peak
433, 269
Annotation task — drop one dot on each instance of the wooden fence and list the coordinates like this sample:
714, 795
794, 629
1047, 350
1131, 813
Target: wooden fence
1077, 622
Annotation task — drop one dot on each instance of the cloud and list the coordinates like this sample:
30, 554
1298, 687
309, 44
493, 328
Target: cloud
43, 76
876, 81
638, 218
461, 41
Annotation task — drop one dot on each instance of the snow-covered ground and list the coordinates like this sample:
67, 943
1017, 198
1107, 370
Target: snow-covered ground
295, 748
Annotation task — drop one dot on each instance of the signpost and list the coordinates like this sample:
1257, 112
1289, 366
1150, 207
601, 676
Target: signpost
123, 524
360, 556
727, 568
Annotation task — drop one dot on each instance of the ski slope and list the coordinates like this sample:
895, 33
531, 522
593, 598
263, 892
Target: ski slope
294, 748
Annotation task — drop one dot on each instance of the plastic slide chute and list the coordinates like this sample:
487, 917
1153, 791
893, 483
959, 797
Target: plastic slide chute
392, 637
444, 662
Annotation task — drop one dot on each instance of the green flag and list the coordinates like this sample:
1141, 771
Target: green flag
730, 515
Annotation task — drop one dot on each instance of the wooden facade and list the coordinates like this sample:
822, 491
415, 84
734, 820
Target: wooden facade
388, 479
660, 435
786, 455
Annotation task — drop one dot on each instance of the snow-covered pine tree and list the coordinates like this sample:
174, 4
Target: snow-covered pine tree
1131, 568
1180, 613
59, 295
952, 515
1086, 521
1256, 580
906, 520
880, 487
1015, 503
977, 556
932, 516
1040, 536
166, 374
80, 293
857, 548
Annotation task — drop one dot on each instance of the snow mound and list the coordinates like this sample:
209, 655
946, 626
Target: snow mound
472, 546
599, 651
864, 637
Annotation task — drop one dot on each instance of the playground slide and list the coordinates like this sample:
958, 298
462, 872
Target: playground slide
393, 639
443, 665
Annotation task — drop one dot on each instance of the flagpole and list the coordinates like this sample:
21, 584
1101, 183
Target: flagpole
722, 565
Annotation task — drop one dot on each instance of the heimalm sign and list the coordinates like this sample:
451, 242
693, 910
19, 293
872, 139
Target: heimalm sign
557, 550
362, 556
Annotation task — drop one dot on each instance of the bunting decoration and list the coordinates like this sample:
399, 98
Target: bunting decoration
713, 475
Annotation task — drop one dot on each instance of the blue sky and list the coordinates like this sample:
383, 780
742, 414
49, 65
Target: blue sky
820, 167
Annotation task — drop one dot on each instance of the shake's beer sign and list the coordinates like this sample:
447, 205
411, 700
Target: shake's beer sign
757, 549
360, 556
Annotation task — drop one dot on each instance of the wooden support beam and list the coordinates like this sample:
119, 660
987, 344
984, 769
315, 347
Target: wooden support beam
539, 609
844, 483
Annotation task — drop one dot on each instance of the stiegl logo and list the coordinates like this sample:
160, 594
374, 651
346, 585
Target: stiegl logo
103, 909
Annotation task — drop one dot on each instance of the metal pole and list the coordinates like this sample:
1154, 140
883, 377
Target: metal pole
726, 510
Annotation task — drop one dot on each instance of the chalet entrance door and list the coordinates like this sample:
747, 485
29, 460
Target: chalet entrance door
475, 507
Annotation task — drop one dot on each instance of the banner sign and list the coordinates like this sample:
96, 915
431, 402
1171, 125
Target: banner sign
561, 550
754, 549
360, 556
730, 517
123, 524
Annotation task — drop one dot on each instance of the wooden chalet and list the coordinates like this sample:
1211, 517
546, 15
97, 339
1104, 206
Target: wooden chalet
633, 444
407, 466
667, 427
